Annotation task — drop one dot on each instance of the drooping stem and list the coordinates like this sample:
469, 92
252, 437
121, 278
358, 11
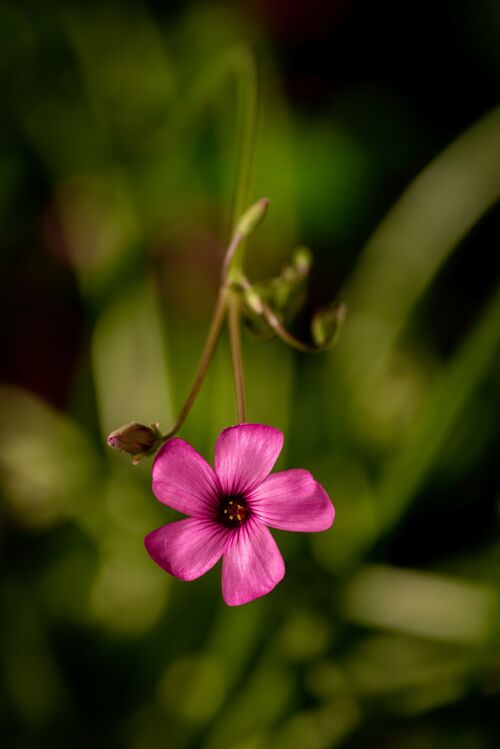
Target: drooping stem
206, 357
275, 324
236, 357
273, 321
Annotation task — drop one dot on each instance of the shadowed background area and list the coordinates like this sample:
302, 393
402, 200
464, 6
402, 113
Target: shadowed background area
379, 148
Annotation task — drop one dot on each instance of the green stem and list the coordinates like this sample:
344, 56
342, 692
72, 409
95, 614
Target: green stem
228, 263
247, 127
236, 357
246, 81
274, 323
206, 358
287, 337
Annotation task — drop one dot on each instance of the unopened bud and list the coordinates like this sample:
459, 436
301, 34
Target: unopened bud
294, 274
136, 439
326, 324
252, 218
302, 260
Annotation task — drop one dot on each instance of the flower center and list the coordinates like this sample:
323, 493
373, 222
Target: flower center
234, 511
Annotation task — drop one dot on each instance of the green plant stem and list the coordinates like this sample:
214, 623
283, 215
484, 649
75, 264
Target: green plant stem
245, 71
206, 358
274, 323
227, 265
226, 299
246, 79
236, 357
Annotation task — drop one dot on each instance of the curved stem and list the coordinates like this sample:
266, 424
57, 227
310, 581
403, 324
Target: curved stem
236, 358
206, 358
284, 334
274, 323
229, 256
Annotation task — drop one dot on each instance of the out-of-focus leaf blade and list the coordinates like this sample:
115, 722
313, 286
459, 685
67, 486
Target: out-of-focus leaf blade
130, 371
47, 463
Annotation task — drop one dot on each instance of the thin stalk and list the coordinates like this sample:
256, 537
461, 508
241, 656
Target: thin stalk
206, 358
247, 120
236, 357
273, 321
284, 334
247, 125
229, 257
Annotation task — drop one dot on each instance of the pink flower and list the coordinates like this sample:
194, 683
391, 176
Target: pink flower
229, 509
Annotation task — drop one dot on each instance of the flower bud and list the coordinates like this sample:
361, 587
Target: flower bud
299, 266
326, 324
252, 218
136, 439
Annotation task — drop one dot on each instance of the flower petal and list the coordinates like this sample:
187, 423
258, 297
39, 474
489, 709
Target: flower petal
292, 501
245, 455
183, 480
187, 548
252, 564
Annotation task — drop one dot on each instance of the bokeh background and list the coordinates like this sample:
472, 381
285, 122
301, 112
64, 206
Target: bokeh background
379, 147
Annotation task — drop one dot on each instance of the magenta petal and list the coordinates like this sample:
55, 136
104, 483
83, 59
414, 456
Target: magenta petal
183, 480
292, 501
245, 455
252, 564
187, 548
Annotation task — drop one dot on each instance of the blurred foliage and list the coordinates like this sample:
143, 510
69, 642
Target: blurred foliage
120, 138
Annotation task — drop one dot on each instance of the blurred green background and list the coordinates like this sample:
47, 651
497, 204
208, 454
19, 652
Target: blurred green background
379, 147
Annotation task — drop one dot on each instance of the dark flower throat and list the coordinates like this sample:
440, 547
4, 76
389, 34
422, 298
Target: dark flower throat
233, 511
